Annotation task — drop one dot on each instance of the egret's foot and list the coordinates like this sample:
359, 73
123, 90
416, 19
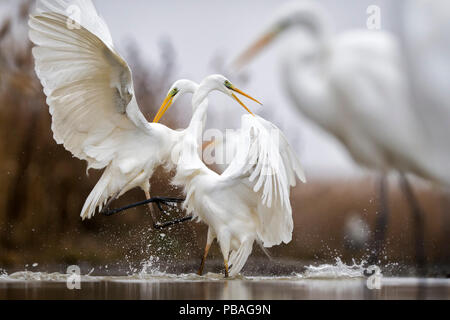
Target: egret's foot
160, 226
168, 202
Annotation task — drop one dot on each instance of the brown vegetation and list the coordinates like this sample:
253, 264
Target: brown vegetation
42, 187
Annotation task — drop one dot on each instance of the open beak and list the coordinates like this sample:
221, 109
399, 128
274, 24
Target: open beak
164, 107
254, 50
169, 100
245, 95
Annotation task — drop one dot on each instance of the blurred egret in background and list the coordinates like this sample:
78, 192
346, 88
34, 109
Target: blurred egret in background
249, 201
424, 33
90, 92
354, 85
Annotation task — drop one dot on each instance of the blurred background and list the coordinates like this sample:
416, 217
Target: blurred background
42, 188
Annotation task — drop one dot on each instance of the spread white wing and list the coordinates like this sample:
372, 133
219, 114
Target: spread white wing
265, 159
91, 97
88, 85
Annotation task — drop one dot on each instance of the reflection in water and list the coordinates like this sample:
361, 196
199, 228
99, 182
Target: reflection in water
213, 287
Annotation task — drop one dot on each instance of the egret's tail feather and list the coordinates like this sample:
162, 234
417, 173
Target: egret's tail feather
239, 258
97, 198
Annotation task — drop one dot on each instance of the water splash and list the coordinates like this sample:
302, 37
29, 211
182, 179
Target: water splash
30, 276
339, 270
37, 276
150, 268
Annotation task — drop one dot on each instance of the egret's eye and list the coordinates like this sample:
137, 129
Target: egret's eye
228, 84
174, 92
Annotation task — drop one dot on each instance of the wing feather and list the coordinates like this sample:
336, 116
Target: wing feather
91, 98
88, 85
81, 12
265, 158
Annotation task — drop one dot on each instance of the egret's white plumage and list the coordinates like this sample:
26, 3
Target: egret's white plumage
424, 34
265, 158
90, 93
354, 86
249, 201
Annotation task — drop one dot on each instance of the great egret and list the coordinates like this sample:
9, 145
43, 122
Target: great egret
90, 92
248, 202
353, 85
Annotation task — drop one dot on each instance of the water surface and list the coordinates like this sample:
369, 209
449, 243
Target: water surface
321, 283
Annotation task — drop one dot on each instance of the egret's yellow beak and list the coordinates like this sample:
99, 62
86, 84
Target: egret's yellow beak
164, 107
233, 88
245, 95
254, 50
169, 100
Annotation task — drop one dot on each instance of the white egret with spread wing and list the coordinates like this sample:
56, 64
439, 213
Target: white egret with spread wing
90, 93
248, 202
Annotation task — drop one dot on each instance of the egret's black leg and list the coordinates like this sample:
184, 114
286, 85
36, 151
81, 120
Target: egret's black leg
381, 222
160, 226
106, 211
166, 201
419, 224
445, 227
159, 201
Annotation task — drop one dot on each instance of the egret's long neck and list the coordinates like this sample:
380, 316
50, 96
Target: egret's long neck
304, 69
198, 121
202, 93
200, 104
314, 20
192, 144
190, 164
